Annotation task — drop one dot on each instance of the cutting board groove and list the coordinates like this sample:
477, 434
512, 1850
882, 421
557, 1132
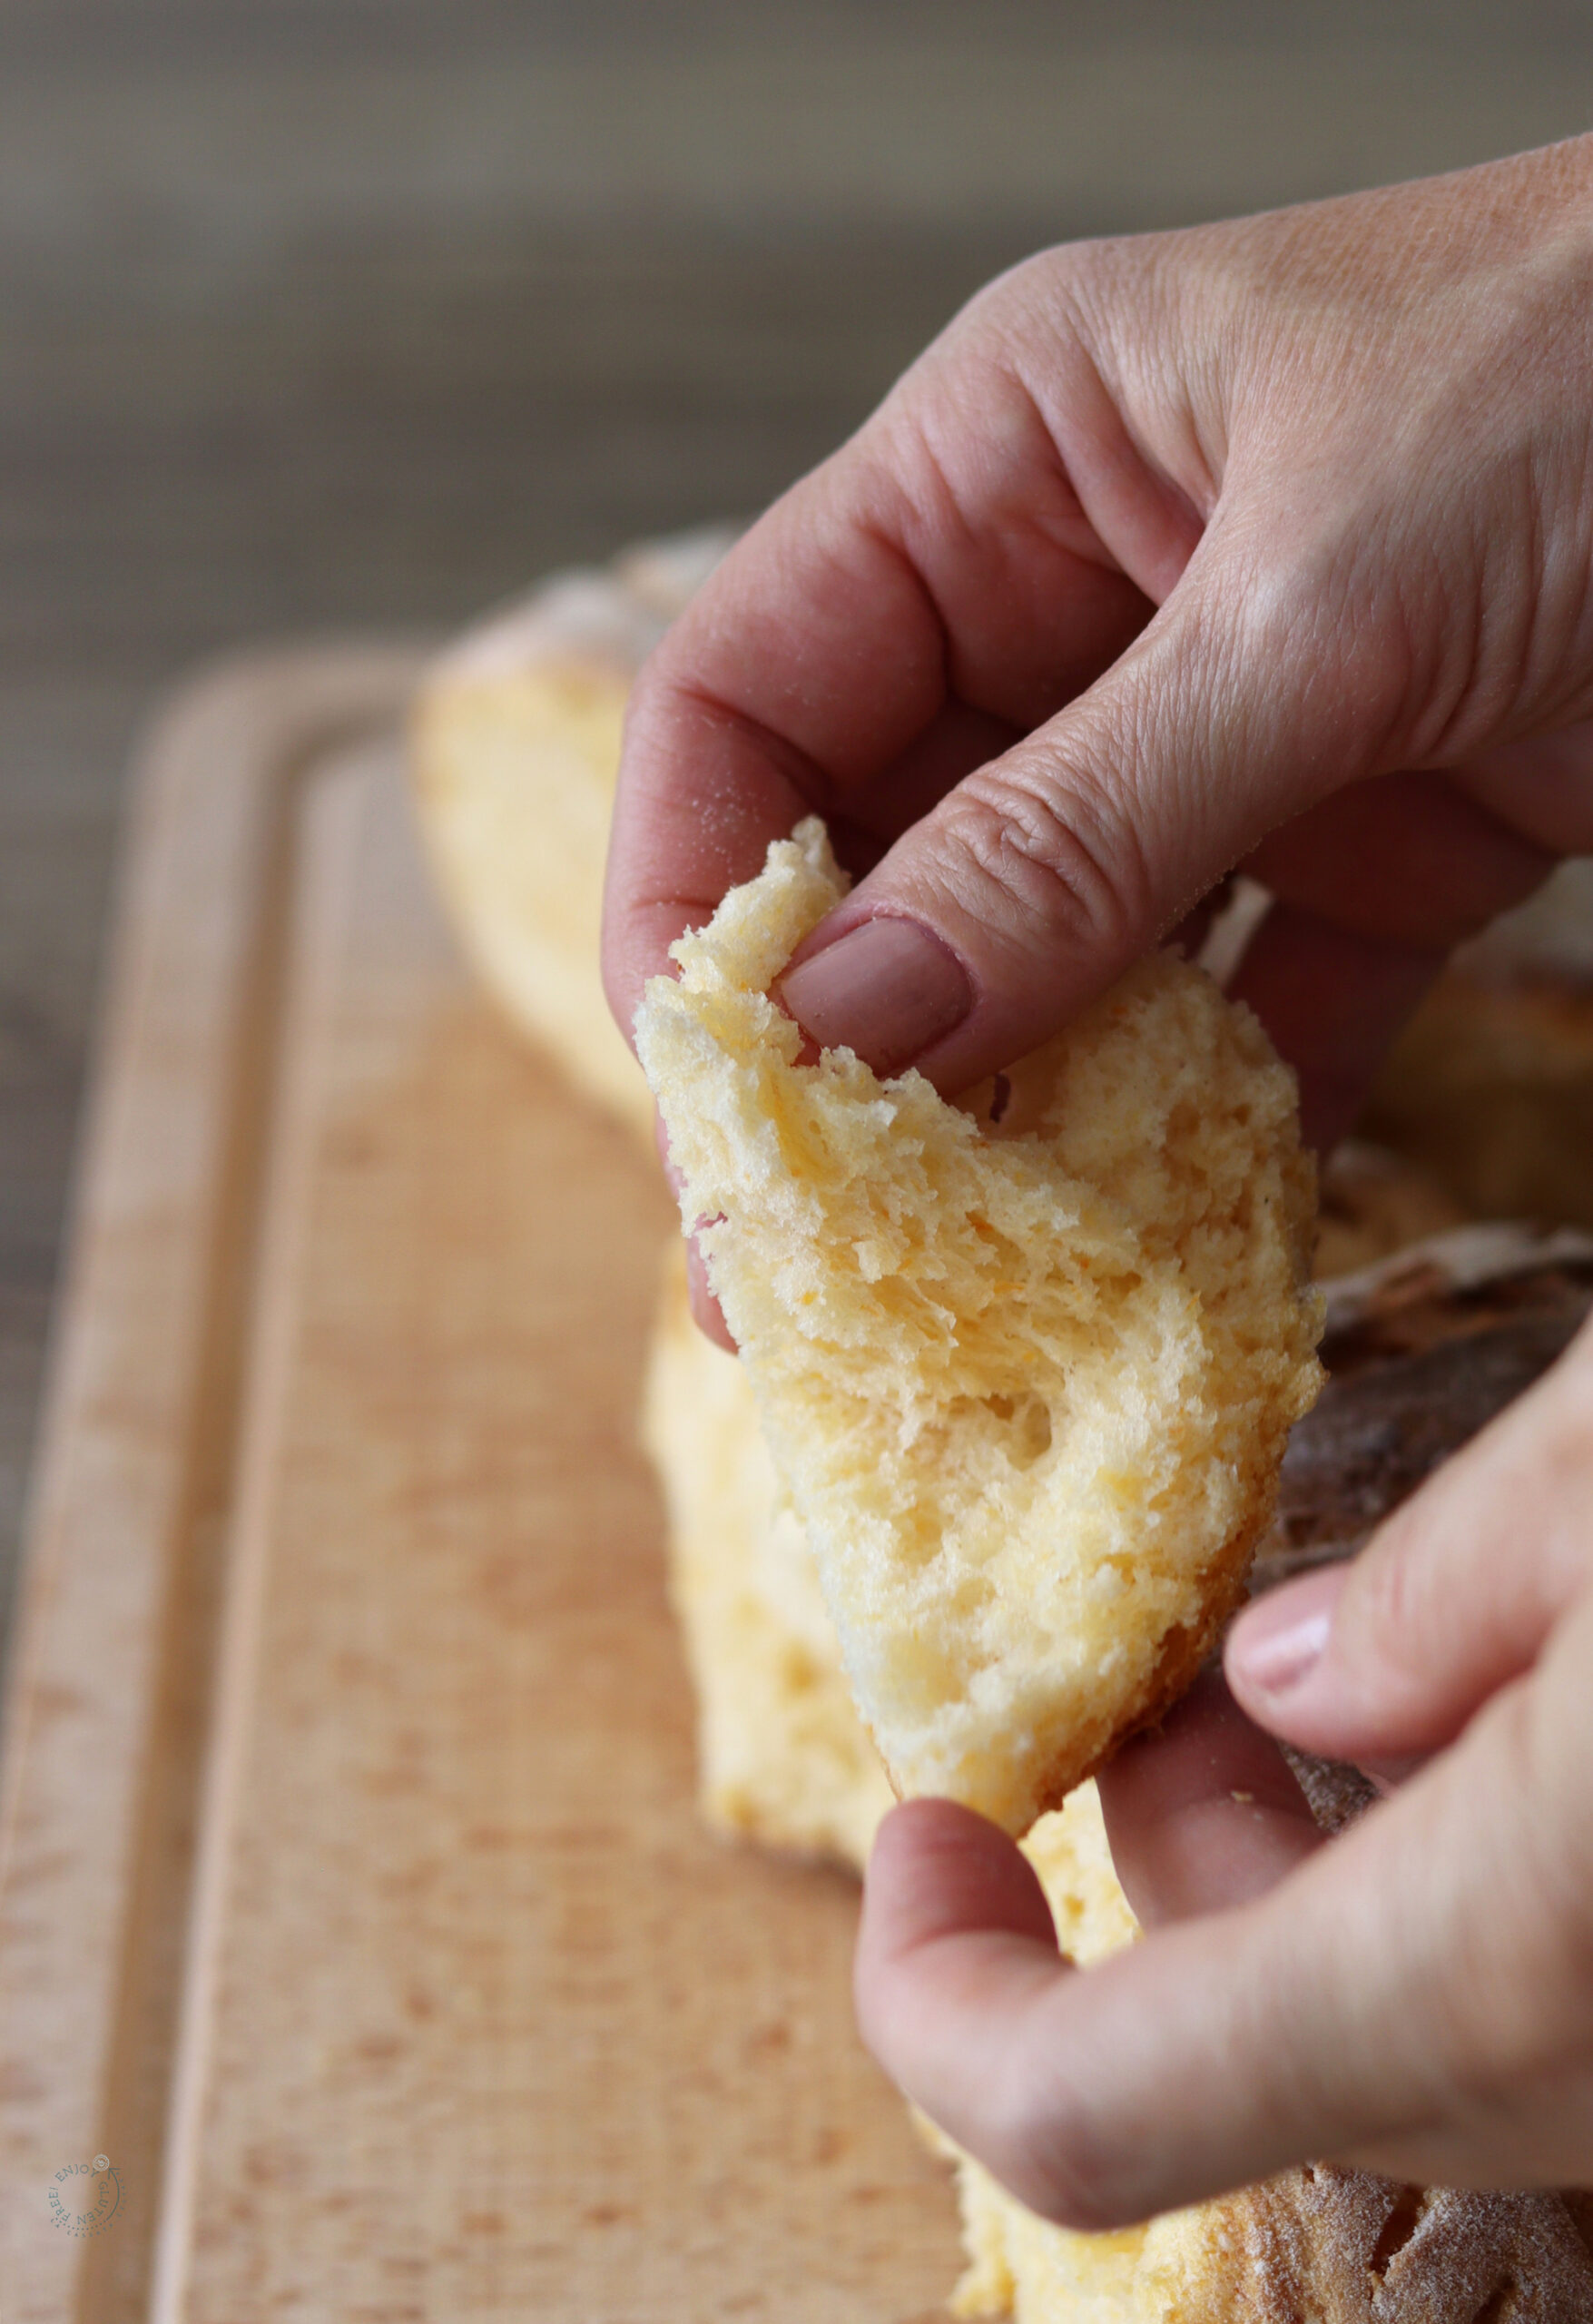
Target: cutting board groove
352, 1900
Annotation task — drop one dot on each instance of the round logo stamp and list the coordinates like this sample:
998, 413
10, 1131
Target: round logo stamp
85, 2197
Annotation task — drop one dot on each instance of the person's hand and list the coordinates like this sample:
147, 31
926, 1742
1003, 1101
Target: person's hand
1415, 1996
1164, 549
1268, 544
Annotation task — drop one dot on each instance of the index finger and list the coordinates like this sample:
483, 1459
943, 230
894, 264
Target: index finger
756, 711
932, 591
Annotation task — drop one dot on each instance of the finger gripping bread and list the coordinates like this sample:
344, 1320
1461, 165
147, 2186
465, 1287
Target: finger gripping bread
1027, 1381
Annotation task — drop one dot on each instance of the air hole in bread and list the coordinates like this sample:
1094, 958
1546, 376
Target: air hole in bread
1028, 1426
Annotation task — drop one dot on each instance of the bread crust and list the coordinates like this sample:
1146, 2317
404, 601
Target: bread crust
1348, 2247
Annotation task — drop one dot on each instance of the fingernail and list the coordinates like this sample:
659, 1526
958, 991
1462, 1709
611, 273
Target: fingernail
1279, 1642
888, 990
1278, 1664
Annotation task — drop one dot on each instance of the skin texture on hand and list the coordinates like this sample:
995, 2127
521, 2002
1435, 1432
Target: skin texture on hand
1415, 1996
1266, 544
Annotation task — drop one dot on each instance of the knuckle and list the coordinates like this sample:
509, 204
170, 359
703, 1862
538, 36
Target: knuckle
1055, 860
1559, 1451
1556, 1469
1539, 2013
1316, 601
1051, 289
1388, 1654
1057, 2155
1082, 2188
1385, 1601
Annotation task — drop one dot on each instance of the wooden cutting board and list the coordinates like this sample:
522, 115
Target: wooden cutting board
360, 1954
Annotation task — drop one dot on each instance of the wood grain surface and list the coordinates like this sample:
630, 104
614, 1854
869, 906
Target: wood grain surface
456, 2012
105, 1726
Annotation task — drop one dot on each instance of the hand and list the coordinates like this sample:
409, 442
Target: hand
1415, 1996
1164, 550
1268, 544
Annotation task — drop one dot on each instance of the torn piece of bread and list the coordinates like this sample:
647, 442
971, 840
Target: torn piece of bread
1029, 1382
781, 1755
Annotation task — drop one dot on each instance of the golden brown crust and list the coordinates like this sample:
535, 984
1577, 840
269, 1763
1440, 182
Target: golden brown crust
1326, 2246
1420, 1352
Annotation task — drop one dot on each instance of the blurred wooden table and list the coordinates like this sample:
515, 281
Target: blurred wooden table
346, 316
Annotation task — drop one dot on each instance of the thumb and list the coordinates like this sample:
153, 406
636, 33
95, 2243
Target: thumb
1036, 883
1390, 1657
